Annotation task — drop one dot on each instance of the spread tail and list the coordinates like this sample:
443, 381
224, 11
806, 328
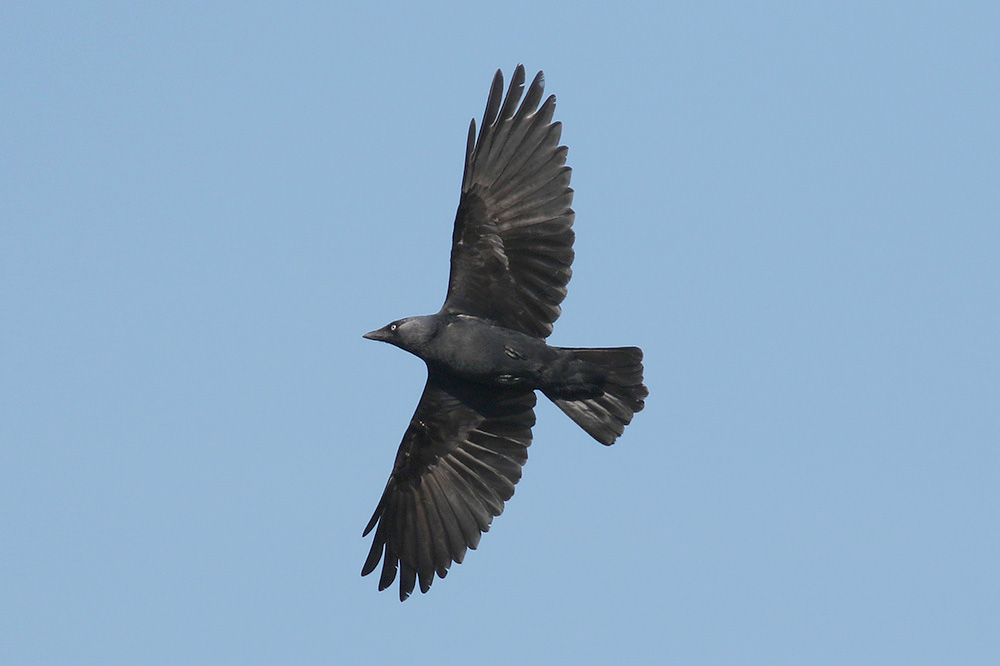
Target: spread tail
608, 406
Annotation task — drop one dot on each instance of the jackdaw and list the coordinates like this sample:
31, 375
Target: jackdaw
485, 350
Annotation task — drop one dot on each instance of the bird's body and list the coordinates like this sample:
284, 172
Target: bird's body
478, 350
485, 351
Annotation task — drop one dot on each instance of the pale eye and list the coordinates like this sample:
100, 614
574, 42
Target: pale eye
392, 327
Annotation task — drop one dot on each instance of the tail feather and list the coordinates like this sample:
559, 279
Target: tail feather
605, 413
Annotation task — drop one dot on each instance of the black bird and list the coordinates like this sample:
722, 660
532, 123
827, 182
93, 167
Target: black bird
485, 350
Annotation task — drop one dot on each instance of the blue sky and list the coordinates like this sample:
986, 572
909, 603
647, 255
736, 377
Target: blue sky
793, 208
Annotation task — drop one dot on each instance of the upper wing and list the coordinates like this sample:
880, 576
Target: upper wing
513, 242
459, 460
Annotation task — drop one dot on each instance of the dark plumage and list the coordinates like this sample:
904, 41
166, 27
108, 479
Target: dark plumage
485, 350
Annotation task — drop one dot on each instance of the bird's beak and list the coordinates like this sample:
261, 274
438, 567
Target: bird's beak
375, 335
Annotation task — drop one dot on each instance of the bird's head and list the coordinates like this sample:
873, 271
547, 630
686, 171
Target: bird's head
410, 334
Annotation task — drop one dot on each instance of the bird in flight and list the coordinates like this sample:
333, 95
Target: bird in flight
485, 350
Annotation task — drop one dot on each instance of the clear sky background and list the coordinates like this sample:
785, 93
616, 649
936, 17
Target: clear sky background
794, 209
